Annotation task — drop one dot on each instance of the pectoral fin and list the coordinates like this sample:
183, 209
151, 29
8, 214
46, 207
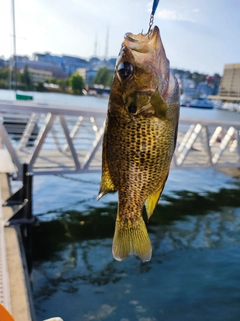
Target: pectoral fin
159, 105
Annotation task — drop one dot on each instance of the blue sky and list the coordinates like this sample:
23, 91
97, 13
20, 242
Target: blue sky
198, 35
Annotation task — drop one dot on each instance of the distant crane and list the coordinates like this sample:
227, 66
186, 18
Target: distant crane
106, 44
95, 46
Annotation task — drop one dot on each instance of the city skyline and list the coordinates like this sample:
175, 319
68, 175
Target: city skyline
197, 36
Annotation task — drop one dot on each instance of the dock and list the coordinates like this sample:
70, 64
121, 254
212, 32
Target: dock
61, 140
14, 282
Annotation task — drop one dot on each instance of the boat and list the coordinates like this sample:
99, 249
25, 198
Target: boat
23, 97
199, 102
185, 100
17, 95
231, 106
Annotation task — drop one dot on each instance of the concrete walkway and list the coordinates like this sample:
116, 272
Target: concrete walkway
15, 297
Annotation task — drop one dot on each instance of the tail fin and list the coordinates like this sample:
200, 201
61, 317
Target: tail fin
131, 238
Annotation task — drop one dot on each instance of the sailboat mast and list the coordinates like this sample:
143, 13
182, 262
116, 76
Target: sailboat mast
14, 44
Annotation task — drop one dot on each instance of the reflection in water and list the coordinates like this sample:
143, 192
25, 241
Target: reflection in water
98, 223
196, 255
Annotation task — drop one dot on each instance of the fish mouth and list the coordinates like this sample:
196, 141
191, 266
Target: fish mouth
145, 91
141, 41
153, 33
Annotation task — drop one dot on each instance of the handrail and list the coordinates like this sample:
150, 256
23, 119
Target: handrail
29, 107
68, 139
77, 110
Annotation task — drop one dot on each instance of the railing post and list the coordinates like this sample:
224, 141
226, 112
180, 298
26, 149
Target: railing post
23, 215
238, 143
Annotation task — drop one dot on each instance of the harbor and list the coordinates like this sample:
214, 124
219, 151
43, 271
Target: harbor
62, 146
79, 120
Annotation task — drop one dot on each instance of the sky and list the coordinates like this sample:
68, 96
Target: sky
198, 35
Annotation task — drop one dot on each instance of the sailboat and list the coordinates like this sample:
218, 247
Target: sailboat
17, 95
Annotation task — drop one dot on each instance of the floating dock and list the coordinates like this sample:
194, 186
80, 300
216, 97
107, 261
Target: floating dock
15, 293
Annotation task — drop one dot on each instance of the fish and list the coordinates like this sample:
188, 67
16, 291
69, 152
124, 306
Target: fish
139, 138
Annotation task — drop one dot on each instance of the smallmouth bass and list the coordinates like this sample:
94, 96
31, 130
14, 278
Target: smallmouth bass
139, 138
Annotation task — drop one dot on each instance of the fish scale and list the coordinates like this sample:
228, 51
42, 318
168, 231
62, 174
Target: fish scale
141, 167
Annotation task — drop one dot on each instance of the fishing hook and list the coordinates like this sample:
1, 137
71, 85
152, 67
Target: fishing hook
154, 8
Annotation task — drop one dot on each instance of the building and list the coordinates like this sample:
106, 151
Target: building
87, 75
62, 66
37, 64
70, 64
39, 75
48, 58
230, 83
82, 72
90, 75
2, 62
67, 64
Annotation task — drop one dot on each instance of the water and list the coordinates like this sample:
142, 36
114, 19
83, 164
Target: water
194, 271
91, 101
195, 233
57, 99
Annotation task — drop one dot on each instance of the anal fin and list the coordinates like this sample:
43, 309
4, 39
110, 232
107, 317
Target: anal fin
152, 199
106, 182
151, 202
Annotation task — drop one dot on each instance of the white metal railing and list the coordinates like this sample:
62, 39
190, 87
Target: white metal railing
63, 139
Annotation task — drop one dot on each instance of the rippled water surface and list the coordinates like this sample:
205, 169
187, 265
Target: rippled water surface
194, 272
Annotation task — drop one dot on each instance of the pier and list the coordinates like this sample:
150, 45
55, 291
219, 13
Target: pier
51, 139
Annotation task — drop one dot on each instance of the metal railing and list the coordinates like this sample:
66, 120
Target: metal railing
63, 139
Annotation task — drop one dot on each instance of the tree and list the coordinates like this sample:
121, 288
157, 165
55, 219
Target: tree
77, 83
4, 73
104, 77
40, 87
197, 78
26, 78
4, 77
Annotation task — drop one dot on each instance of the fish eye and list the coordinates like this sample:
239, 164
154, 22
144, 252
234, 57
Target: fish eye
125, 70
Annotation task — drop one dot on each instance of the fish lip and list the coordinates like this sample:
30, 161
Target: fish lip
129, 35
145, 90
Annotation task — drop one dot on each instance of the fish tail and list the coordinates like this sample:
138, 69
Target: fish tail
131, 237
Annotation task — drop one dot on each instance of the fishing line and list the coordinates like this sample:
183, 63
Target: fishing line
154, 8
77, 179
62, 209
